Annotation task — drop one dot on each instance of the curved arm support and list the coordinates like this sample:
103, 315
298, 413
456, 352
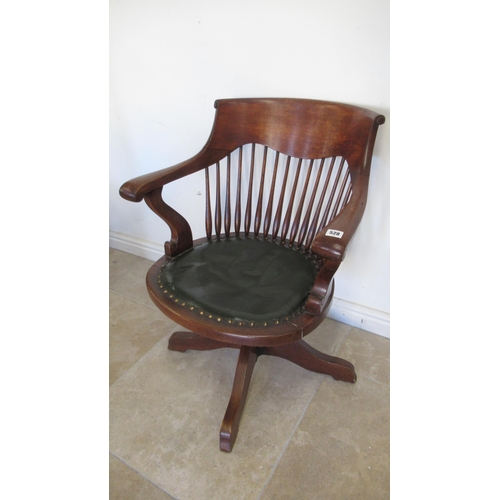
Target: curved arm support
323, 288
331, 242
332, 248
136, 189
149, 188
182, 237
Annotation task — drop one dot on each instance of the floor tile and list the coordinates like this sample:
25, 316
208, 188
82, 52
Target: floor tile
369, 353
133, 330
166, 412
127, 275
329, 336
341, 447
127, 484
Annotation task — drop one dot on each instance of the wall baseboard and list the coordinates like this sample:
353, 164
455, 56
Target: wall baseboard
365, 318
135, 246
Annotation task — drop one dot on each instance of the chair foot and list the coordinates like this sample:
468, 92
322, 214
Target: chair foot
304, 355
298, 352
182, 341
244, 369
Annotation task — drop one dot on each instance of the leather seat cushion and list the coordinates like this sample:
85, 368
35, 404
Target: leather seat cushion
242, 278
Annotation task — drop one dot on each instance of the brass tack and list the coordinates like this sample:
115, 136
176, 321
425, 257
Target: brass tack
191, 308
176, 300
251, 324
230, 321
210, 316
201, 312
218, 319
240, 323
183, 304
265, 324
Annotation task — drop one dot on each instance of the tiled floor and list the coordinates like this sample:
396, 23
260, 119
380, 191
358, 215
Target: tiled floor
302, 435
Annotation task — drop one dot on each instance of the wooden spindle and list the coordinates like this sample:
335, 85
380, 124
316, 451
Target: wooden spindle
267, 220
307, 216
298, 213
277, 216
258, 211
217, 202
300, 228
248, 213
336, 210
325, 219
227, 213
347, 196
313, 230
288, 215
208, 207
237, 209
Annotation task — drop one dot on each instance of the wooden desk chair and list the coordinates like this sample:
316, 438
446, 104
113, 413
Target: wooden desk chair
286, 186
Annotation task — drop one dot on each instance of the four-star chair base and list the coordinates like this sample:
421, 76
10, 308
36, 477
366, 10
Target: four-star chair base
298, 352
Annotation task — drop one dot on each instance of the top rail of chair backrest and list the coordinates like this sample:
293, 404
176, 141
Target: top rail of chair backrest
303, 128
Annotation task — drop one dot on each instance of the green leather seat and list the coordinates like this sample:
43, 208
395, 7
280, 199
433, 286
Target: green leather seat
246, 279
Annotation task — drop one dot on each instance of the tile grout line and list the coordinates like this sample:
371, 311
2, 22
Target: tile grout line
133, 299
359, 376
271, 474
383, 384
339, 345
141, 475
150, 306
169, 332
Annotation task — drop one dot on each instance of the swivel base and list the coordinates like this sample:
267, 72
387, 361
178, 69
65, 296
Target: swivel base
298, 352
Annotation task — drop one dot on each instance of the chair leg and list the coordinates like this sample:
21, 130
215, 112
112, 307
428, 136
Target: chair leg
182, 341
298, 352
304, 355
244, 369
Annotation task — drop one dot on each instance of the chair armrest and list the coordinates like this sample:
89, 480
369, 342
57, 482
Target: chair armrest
135, 189
149, 187
331, 242
322, 288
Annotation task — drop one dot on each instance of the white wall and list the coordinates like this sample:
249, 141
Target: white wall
170, 60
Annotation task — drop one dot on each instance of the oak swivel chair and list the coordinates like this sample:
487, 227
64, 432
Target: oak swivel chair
286, 186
